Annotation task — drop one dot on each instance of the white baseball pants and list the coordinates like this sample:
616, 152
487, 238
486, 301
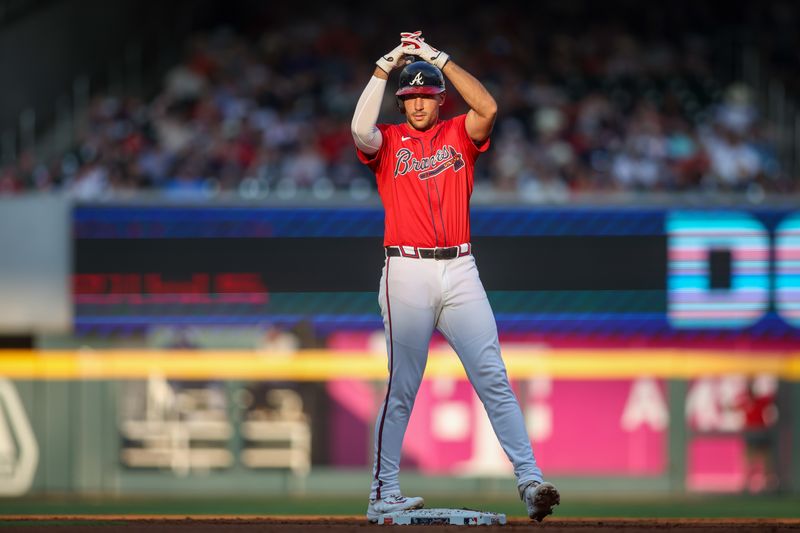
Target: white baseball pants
417, 295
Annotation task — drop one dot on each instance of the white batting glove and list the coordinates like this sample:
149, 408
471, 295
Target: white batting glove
410, 34
392, 60
416, 46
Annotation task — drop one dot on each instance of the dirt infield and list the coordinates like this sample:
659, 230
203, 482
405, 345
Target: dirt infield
239, 524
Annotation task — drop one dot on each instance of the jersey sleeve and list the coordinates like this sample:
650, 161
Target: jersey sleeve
472, 148
374, 160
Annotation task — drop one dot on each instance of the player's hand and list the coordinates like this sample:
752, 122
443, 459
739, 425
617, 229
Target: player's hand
416, 46
394, 59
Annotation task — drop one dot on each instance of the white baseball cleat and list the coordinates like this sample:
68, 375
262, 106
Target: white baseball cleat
540, 497
391, 504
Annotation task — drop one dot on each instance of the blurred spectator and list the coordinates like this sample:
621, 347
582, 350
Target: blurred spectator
686, 160
757, 404
736, 112
734, 163
604, 109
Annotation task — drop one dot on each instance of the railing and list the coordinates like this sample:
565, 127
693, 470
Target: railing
45, 126
778, 108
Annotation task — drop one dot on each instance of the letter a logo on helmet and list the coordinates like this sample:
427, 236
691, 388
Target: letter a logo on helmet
420, 77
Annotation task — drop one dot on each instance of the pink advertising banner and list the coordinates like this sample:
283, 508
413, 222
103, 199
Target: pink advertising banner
580, 428
577, 427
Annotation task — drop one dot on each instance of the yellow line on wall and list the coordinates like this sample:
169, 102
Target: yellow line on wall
320, 365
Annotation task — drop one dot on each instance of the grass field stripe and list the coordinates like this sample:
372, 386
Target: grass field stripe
321, 365
101, 523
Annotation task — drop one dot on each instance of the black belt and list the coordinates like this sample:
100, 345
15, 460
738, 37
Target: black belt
449, 252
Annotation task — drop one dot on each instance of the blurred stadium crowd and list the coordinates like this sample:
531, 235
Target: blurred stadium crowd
582, 109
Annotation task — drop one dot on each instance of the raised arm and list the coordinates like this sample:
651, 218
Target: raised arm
364, 127
482, 106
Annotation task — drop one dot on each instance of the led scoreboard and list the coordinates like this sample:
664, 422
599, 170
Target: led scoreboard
667, 275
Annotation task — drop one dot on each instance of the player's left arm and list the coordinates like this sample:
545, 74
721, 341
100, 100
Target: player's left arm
482, 106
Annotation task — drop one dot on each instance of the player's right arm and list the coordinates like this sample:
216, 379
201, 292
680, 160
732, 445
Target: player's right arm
364, 127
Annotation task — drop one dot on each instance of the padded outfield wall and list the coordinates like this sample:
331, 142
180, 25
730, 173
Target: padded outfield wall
629, 335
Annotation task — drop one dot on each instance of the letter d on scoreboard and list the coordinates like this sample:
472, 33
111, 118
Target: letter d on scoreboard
694, 238
787, 270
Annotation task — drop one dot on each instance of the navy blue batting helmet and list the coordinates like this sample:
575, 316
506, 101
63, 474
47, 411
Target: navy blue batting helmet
420, 77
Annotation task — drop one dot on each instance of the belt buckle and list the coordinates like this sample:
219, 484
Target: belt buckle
439, 253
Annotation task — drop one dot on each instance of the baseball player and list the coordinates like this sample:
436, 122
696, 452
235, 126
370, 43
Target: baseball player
424, 171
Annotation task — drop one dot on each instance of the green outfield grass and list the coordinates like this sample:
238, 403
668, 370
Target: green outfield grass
627, 507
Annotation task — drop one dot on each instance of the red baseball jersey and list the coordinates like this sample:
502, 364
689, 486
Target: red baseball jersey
425, 180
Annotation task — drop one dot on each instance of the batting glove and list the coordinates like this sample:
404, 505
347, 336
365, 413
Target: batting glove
394, 59
416, 46
410, 34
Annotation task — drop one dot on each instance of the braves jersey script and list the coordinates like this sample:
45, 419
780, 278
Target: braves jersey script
425, 180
